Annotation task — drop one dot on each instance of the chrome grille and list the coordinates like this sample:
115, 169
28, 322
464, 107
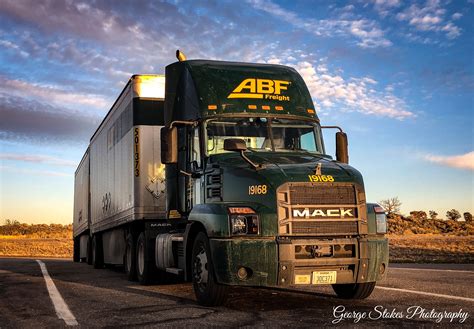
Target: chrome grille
299, 197
322, 195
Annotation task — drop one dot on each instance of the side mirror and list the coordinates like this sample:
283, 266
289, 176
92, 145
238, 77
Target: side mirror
342, 152
235, 144
169, 145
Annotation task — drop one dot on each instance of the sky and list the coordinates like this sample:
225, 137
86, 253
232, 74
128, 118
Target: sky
397, 76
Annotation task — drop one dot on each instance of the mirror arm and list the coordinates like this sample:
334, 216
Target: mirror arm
188, 123
332, 127
255, 166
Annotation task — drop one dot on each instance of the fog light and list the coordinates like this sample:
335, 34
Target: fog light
242, 273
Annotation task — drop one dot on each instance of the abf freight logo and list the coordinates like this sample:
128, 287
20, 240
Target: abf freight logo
261, 89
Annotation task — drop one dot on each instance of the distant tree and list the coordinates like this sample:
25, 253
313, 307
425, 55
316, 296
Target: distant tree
9, 222
418, 214
433, 214
467, 217
391, 206
453, 214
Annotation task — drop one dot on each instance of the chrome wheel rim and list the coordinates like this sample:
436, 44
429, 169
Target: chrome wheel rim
201, 270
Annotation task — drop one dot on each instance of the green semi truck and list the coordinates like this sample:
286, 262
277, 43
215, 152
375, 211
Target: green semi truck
217, 173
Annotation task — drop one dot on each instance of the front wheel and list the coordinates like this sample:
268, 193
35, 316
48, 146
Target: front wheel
354, 290
208, 292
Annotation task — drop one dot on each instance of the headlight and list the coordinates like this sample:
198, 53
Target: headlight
243, 221
381, 220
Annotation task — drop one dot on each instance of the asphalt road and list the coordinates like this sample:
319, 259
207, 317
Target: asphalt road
104, 298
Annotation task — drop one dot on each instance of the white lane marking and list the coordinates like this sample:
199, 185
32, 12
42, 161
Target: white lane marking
62, 310
466, 299
429, 269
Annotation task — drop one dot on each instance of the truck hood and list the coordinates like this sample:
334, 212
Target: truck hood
281, 167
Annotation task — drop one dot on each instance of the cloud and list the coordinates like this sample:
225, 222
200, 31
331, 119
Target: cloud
55, 94
356, 94
34, 172
367, 32
33, 121
384, 7
37, 159
430, 17
464, 161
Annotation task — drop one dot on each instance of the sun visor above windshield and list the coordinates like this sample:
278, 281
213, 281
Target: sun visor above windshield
198, 88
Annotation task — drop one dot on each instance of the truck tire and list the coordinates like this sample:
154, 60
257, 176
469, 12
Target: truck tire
208, 292
354, 290
143, 265
97, 252
130, 259
76, 250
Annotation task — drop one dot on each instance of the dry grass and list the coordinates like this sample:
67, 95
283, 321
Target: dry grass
22, 240
31, 247
431, 248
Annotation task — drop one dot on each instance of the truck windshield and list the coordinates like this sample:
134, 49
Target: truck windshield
265, 134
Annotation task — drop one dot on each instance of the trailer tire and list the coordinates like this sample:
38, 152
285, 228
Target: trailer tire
143, 265
89, 251
130, 258
354, 290
208, 292
97, 252
76, 250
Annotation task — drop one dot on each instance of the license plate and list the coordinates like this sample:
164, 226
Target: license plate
324, 277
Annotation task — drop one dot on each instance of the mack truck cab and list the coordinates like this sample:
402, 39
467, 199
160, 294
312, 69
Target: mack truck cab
217, 173
253, 198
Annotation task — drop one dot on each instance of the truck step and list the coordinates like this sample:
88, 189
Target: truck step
174, 270
178, 238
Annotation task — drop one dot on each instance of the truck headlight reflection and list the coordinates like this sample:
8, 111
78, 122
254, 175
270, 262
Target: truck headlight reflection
244, 224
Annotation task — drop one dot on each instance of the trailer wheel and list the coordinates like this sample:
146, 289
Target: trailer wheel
130, 259
143, 265
97, 252
208, 292
76, 250
354, 290
89, 251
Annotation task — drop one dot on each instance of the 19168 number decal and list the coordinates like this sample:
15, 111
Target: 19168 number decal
257, 189
321, 178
